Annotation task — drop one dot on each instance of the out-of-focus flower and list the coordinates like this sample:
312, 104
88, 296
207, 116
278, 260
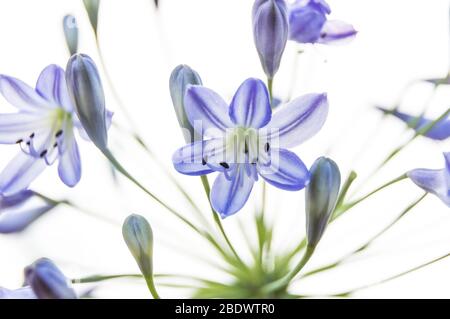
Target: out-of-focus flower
86, 91
321, 197
244, 140
47, 281
440, 130
91, 7
70, 28
181, 77
138, 236
434, 181
43, 128
21, 293
308, 23
270, 33
156, 3
17, 213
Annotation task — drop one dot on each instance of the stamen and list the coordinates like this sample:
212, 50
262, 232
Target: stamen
267, 147
59, 133
32, 135
203, 162
19, 141
245, 147
43, 153
55, 145
224, 165
28, 143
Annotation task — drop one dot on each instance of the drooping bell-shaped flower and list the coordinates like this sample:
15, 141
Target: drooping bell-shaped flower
270, 33
183, 76
43, 127
70, 28
86, 92
138, 236
321, 197
434, 181
18, 211
245, 140
308, 23
47, 281
439, 131
91, 7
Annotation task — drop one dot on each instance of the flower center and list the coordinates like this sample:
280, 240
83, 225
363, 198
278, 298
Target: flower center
245, 145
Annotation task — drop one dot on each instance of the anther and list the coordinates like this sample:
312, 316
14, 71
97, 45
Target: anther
55, 145
32, 135
224, 165
245, 147
19, 141
43, 153
59, 133
28, 143
203, 162
267, 147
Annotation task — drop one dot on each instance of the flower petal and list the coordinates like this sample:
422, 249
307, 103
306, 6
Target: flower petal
285, 170
15, 127
250, 106
21, 293
297, 121
17, 220
51, 84
306, 22
21, 95
69, 167
191, 159
229, 195
432, 181
336, 31
207, 111
15, 200
19, 173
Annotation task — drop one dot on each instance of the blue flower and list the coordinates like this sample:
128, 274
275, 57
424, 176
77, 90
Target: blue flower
43, 127
308, 23
245, 140
434, 181
440, 130
18, 211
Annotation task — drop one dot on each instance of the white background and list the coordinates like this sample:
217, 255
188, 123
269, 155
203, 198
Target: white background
398, 41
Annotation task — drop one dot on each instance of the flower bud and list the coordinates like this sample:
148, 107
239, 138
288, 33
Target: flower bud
86, 91
321, 197
91, 7
71, 33
138, 236
270, 33
47, 281
181, 77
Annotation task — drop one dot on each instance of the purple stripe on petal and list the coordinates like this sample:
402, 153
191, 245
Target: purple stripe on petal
51, 84
432, 181
69, 167
250, 106
17, 220
336, 31
12, 201
15, 127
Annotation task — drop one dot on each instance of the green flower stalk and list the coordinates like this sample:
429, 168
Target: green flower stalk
91, 7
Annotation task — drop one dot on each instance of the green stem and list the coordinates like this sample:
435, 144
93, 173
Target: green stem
368, 243
348, 182
269, 88
151, 287
216, 218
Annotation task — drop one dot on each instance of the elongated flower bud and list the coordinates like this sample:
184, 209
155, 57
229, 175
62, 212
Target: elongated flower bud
47, 281
138, 236
91, 7
86, 91
270, 32
321, 197
70, 28
181, 77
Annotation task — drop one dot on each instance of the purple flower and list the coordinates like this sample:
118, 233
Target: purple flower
21, 293
18, 211
439, 131
43, 127
435, 181
270, 32
308, 23
47, 281
245, 140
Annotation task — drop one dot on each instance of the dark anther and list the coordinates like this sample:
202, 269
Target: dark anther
43, 153
323, 35
267, 147
58, 134
28, 143
55, 145
224, 165
245, 147
203, 161
19, 141
32, 135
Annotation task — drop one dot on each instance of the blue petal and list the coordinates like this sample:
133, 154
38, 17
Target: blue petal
191, 159
432, 181
306, 21
51, 84
15, 127
206, 111
284, 170
297, 121
336, 31
22, 95
15, 200
19, 173
21, 293
69, 167
250, 106
229, 195
440, 130
17, 220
